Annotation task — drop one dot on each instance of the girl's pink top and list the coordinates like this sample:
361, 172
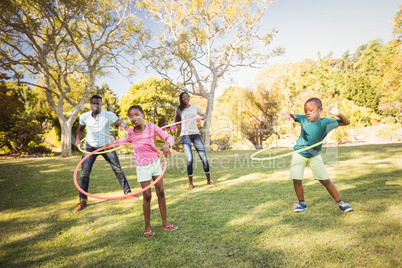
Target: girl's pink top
144, 143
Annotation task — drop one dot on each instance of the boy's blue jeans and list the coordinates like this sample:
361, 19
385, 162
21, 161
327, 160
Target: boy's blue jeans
186, 141
86, 168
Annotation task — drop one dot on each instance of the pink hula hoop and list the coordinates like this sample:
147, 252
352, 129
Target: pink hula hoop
121, 196
198, 119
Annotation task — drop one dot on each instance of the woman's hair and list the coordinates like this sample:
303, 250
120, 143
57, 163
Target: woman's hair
181, 106
138, 107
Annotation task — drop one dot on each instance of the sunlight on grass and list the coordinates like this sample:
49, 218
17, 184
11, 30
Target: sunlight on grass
248, 177
246, 220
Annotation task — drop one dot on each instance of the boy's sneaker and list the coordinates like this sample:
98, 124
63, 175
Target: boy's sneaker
345, 207
300, 207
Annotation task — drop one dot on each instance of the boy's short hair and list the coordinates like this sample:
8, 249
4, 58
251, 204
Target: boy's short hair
95, 97
316, 101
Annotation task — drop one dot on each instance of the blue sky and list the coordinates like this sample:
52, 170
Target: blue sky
306, 27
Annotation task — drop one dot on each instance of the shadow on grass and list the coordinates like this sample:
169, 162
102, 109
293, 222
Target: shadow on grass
246, 220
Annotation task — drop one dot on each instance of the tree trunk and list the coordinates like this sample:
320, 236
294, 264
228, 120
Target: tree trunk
207, 123
65, 138
66, 124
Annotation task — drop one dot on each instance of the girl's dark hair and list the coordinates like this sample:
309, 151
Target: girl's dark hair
181, 107
138, 107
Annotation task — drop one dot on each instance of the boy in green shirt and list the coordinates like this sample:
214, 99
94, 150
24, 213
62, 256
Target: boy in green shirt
314, 129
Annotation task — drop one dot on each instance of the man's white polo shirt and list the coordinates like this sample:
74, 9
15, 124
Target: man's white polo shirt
98, 129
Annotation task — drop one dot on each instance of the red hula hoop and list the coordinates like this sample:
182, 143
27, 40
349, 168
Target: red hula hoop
121, 196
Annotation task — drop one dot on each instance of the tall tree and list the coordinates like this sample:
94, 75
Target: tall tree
397, 27
200, 41
157, 98
291, 80
253, 111
19, 114
109, 98
391, 102
51, 41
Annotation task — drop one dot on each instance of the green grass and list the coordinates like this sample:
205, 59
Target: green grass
246, 220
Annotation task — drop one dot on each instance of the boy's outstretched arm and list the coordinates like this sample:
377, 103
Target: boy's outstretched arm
335, 111
289, 116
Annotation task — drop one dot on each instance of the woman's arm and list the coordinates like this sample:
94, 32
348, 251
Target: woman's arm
200, 112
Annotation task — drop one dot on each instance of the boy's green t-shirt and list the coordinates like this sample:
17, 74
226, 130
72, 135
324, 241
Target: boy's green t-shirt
313, 132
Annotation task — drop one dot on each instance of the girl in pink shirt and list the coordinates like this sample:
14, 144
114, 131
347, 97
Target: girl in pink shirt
147, 162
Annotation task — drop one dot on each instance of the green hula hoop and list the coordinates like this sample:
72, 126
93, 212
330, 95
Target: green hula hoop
101, 152
282, 155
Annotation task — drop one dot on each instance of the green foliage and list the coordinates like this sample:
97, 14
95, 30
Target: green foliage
221, 142
340, 135
329, 76
363, 82
109, 103
358, 115
10, 106
63, 46
109, 98
26, 129
35, 149
253, 111
397, 27
390, 82
361, 91
21, 121
157, 98
366, 88
204, 40
388, 131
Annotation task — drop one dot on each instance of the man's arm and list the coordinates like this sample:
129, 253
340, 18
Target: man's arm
80, 133
121, 123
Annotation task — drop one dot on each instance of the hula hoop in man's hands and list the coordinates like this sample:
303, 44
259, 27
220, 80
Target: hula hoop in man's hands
176, 123
122, 196
252, 157
102, 152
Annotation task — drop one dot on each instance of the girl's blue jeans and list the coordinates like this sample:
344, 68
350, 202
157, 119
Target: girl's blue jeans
86, 168
186, 141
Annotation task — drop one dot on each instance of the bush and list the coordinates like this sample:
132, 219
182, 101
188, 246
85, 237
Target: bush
222, 144
34, 148
5, 150
388, 132
341, 135
389, 120
358, 115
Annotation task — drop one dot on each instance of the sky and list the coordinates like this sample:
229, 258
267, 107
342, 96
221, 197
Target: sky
305, 27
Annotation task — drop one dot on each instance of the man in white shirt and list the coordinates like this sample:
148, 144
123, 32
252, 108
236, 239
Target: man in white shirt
98, 124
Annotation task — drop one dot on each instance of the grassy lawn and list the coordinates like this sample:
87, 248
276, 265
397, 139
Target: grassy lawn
246, 220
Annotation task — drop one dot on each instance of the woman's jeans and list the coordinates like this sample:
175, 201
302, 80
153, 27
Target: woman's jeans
186, 141
86, 168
